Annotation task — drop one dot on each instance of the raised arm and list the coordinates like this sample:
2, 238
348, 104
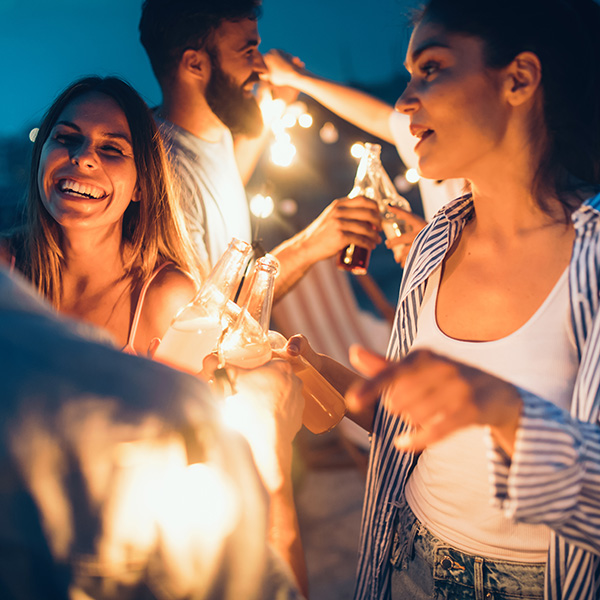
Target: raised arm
359, 108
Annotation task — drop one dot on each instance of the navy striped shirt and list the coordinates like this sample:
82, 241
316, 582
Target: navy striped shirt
553, 477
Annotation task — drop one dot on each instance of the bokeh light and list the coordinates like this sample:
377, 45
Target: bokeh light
357, 150
412, 176
261, 206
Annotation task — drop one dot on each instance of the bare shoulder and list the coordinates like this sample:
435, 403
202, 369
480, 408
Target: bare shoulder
171, 289
168, 292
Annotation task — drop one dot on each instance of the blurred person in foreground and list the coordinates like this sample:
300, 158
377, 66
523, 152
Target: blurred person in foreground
118, 477
483, 476
204, 54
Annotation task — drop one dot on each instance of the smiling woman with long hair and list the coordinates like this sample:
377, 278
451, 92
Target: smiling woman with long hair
105, 241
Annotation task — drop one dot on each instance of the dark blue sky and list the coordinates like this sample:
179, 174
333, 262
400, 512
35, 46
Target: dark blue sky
45, 44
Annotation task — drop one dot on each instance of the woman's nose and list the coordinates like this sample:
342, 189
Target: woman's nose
84, 156
408, 101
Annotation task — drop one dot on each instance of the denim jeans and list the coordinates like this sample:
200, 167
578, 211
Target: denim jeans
425, 567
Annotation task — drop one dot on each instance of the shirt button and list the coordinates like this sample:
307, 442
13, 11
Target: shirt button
446, 562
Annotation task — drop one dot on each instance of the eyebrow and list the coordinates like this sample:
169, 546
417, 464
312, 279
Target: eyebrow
107, 134
426, 46
253, 43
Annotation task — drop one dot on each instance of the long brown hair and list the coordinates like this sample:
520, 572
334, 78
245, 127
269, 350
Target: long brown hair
153, 227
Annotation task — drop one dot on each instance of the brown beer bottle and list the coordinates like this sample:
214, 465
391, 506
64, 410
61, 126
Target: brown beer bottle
373, 182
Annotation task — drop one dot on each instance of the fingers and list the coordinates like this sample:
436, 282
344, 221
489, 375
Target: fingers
412, 219
366, 362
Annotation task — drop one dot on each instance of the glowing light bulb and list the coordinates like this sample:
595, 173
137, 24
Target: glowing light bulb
402, 185
329, 133
412, 176
288, 120
288, 207
282, 153
305, 120
262, 206
357, 150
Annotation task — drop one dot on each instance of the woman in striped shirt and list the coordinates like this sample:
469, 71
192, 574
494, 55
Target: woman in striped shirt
484, 477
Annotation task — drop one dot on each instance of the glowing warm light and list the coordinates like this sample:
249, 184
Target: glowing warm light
412, 176
288, 207
33, 134
329, 133
402, 185
282, 153
288, 120
271, 109
253, 419
262, 206
357, 150
305, 120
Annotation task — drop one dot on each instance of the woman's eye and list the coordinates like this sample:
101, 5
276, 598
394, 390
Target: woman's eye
65, 138
112, 149
429, 68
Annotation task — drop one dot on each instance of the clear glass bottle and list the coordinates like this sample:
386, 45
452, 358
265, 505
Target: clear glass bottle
245, 343
373, 182
196, 329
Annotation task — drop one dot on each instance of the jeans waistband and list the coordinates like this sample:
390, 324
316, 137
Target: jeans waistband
453, 567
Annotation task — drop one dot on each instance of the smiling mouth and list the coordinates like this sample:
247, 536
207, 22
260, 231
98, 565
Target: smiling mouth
422, 135
80, 190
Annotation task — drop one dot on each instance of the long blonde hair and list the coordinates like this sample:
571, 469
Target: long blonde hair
153, 227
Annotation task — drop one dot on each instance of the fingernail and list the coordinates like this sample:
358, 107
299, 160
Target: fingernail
293, 350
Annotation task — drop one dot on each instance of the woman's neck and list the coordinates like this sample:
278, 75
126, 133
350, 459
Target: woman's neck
93, 255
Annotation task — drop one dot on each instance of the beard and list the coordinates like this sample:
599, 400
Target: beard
240, 113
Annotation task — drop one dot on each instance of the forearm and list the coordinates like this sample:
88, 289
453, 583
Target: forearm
552, 477
295, 256
357, 107
284, 530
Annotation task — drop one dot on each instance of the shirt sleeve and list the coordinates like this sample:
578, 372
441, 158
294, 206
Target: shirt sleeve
553, 477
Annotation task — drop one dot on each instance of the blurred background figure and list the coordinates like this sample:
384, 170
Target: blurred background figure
205, 57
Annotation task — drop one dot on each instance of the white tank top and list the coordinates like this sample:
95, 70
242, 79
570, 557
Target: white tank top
449, 489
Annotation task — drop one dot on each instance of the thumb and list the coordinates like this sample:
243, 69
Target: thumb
367, 362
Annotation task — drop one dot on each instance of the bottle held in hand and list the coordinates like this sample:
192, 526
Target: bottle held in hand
196, 329
324, 406
373, 182
245, 343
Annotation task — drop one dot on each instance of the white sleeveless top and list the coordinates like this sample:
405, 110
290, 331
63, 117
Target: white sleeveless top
449, 490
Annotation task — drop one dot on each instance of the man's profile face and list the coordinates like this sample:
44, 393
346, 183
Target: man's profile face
235, 67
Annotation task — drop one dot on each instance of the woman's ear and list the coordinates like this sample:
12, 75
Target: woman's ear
136, 197
196, 64
524, 76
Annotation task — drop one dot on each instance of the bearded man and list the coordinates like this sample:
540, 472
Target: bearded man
205, 56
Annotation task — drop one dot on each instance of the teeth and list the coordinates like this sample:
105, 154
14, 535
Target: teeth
74, 187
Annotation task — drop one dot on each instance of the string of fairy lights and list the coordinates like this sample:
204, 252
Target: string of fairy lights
282, 119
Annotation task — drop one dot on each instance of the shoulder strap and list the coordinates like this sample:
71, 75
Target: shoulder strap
138, 309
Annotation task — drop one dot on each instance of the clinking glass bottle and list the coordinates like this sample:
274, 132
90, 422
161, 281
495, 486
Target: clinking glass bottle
373, 182
196, 329
245, 343
248, 342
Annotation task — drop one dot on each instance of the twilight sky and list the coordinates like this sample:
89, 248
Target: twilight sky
45, 44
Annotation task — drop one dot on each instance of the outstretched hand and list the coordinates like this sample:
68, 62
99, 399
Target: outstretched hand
439, 396
401, 245
345, 221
